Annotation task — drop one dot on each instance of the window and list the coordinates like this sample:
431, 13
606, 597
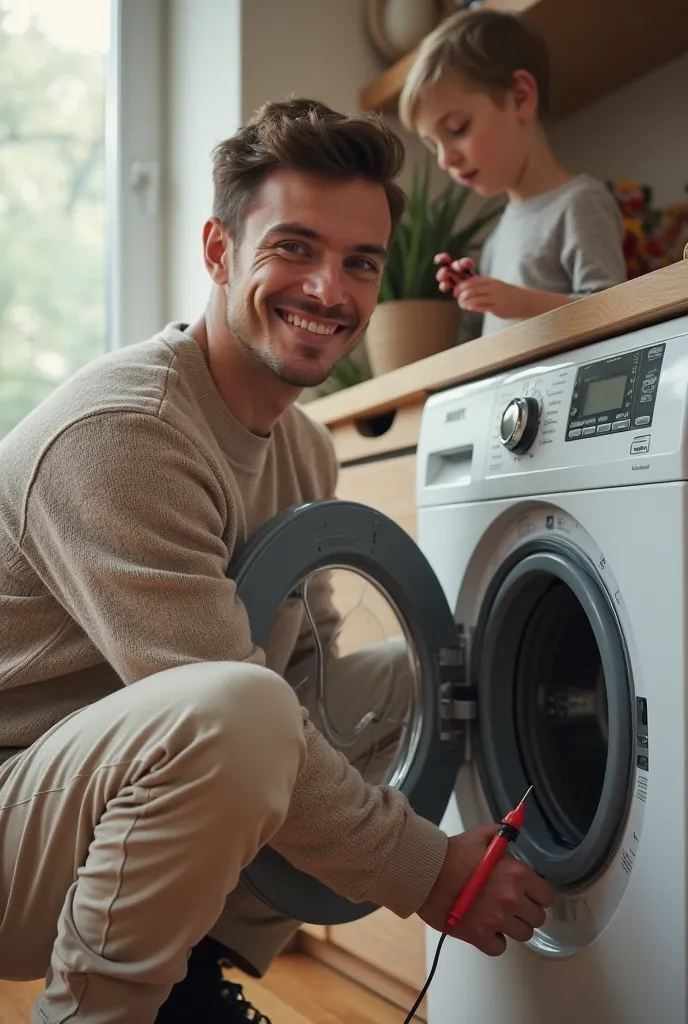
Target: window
82, 114
53, 209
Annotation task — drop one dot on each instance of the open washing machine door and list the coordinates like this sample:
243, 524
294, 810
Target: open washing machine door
555, 709
379, 664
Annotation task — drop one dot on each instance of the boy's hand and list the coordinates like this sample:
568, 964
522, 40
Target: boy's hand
511, 904
489, 295
452, 272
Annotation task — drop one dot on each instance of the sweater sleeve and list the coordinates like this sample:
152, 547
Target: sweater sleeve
124, 522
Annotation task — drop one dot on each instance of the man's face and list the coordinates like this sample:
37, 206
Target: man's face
304, 280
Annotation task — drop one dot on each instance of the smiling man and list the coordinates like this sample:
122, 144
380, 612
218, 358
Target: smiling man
149, 749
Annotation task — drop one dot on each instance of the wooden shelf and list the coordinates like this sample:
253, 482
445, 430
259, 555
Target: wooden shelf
595, 47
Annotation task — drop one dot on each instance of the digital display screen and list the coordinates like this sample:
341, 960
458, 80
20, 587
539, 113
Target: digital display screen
604, 394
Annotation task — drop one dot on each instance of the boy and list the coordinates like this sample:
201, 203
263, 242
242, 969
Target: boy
477, 95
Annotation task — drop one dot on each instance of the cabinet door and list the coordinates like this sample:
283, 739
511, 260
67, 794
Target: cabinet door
388, 943
384, 941
388, 486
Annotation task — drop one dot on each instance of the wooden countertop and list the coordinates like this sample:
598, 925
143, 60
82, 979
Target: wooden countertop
652, 298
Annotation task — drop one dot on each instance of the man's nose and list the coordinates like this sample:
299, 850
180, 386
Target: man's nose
326, 283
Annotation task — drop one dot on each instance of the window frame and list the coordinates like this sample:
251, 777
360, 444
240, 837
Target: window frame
134, 150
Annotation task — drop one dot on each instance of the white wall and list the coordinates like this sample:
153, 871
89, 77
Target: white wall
204, 106
317, 49
639, 132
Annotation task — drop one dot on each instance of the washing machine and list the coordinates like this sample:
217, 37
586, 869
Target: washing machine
533, 635
552, 509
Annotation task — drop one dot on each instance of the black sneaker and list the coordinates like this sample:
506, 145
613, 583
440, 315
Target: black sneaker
237, 1007
204, 996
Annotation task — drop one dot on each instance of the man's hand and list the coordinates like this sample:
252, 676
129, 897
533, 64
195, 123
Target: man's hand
512, 903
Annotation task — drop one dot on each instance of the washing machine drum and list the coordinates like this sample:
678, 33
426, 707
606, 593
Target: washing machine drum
555, 708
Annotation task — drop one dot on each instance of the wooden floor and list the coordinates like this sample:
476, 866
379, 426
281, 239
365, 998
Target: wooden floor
297, 990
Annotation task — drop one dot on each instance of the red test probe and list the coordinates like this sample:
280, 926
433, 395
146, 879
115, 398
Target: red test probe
509, 832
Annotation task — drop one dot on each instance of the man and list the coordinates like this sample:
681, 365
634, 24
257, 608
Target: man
151, 752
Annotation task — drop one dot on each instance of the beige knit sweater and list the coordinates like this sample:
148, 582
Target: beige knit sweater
122, 500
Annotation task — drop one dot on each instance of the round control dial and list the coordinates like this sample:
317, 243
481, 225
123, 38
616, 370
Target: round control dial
519, 425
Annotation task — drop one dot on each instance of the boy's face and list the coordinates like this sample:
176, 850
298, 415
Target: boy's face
477, 141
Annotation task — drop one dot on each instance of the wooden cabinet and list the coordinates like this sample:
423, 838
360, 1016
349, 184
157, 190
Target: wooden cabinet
387, 485
377, 467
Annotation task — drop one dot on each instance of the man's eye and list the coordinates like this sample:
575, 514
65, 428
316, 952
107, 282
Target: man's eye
361, 263
297, 248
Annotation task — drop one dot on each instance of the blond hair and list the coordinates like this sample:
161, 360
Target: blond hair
483, 48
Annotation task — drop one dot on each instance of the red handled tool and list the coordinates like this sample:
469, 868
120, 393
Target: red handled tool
509, 832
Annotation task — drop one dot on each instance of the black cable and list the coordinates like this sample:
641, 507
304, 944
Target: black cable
426, 986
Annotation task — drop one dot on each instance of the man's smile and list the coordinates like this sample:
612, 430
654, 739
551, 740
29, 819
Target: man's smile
306, 324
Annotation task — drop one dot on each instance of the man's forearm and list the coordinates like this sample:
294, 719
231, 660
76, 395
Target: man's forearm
363, 841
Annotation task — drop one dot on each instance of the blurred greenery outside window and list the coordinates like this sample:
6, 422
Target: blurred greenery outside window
53, 225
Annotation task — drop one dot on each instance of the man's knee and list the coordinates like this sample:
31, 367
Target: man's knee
222, 689
235, 711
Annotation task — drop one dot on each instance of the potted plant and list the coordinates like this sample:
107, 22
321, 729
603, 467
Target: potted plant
413, 318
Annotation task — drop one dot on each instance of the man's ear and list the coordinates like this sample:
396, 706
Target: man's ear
525, 95
217, 251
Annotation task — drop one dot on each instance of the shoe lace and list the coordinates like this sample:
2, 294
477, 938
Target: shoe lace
241, 1008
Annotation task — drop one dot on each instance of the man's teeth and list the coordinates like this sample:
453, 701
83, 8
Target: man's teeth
309, 325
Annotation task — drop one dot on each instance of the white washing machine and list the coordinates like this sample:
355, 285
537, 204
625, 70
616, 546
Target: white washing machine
553, 510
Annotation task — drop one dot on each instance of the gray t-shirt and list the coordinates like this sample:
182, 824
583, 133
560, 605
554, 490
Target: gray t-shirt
568, 240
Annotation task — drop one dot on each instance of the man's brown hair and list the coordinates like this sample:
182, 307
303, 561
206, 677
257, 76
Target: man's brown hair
482, 48
304, 135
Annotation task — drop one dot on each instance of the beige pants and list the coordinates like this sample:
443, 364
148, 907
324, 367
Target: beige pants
124, 829
199, 761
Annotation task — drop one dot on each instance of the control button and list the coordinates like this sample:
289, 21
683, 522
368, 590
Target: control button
621, 425
642, 710
643, 763
646, 398
587, 431
519, 426
604, 428
642, 740
640, 444
642, 421
575, 433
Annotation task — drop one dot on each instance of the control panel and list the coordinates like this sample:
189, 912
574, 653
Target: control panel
615, 394
511, 434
